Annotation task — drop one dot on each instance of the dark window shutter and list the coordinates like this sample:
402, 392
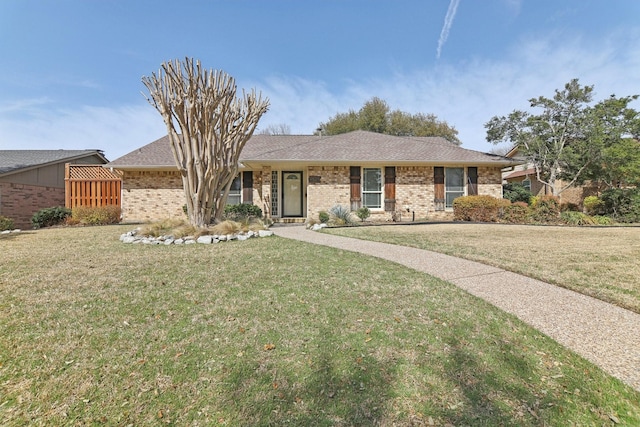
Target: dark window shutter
356, 193
472, 181
247, 187
438, 188
390, 189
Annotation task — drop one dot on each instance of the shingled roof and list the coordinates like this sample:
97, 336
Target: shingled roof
348, 148
12, 161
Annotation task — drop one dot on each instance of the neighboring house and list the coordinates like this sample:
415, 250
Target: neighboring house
31, 180
525, 174
294, 177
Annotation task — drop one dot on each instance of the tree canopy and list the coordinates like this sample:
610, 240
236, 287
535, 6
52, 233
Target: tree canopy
376, 116
208, 126
571, 139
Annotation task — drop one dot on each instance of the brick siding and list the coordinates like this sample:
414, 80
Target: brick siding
20, 201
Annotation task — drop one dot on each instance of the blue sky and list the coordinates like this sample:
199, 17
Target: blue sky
70, 70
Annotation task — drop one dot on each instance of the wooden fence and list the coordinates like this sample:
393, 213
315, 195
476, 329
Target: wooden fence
91, 185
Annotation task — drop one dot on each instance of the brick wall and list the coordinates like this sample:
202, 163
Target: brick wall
152, 196
328, 186
20, 201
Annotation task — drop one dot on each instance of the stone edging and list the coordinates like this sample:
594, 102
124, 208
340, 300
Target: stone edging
134, 238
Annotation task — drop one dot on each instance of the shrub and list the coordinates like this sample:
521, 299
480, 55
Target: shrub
477, 208
568, 206
516, 213
50, 216
623, 204
576, 218
363, 213
242, 211
97, 215
546, 209
515, 192
342, 215
324, 217
602, 220
6, 223
593, 205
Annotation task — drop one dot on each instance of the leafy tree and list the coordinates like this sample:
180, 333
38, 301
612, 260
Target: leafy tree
567, 140
376, 116
214, 126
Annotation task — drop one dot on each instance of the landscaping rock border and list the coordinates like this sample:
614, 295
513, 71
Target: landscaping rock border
134, 238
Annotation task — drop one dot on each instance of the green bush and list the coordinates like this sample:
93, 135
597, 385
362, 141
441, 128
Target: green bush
576, 218
516, 213
622, 204
478, 208
95, 215
568, 206
515, 192
50, 216
363, 213
342, 215
6, 223
602, 220
545, 209
593, 205
324, 217
242, 211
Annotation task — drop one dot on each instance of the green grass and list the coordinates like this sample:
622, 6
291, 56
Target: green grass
269, 332
598, 261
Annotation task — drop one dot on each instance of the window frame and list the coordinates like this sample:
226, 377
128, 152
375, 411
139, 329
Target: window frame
379, 191
235, 194
461, 193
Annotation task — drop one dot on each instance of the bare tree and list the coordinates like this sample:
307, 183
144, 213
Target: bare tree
214, 126
279, 129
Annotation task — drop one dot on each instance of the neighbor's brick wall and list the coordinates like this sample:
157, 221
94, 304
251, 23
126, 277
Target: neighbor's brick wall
152, 196
20, 201
328, 186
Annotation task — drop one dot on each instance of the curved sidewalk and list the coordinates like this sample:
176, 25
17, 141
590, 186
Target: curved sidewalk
602, 333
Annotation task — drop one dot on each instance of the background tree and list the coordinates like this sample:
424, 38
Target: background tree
279, 129
567, 140
214, 126
376, 116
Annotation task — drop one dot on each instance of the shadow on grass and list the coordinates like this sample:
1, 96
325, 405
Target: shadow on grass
328, 386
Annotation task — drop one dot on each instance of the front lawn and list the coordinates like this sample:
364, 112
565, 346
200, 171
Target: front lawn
269, 332
597, 261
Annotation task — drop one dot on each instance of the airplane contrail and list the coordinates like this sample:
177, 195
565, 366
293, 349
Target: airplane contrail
448, 21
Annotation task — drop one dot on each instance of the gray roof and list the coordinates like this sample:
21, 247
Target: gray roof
348, 148
16, 160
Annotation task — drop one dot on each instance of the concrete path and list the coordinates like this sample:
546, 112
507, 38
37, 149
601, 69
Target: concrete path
605, 334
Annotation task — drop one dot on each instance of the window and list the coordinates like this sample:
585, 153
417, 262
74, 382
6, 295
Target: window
526, 183
274, 193
454, 185
372, 188
235, 192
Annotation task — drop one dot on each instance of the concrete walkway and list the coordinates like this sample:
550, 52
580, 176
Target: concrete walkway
605, 334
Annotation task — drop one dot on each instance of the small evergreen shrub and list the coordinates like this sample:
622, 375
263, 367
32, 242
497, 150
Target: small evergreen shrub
6, 223
341, 215
50, 216
324, 217
545, 210
593, 205
363, 213
568, 206
96, 215
242, 211
515, 192
478, 208
516, 213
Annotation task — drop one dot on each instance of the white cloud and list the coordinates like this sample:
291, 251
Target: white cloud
448, 22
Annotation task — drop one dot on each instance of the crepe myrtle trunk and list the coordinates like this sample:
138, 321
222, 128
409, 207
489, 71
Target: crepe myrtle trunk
208, 127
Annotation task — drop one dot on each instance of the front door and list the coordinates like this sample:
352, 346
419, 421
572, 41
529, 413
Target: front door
292, 194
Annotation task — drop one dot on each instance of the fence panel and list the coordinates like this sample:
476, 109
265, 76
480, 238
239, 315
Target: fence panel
91, 185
